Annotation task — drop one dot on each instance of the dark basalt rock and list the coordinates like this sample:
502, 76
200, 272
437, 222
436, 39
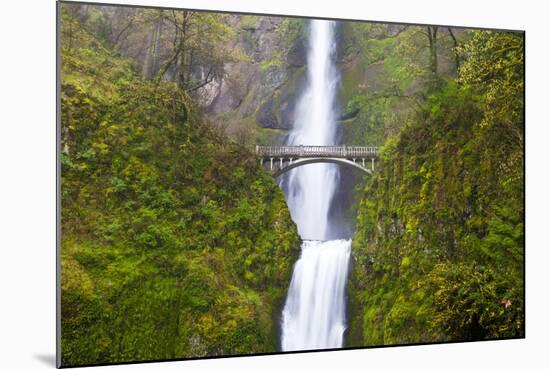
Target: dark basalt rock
287, 106
349, 114
266, 116
297, 55
273, 79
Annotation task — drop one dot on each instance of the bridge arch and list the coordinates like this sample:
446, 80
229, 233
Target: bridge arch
307, 161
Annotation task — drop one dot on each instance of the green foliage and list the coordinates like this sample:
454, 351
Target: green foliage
440, 233
290, 30
274, 63
370, 124
175, 243
249, 22
387, 74
473, 302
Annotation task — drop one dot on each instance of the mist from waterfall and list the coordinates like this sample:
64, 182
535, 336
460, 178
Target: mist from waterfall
314, 312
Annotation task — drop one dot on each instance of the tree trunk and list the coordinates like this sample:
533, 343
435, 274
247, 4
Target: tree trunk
182, 82
156, 47
432, 41
455, 48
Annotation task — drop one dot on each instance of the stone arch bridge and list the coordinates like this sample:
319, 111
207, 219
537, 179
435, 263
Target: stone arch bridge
281, 159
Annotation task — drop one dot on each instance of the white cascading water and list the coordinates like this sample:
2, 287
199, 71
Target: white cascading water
314, 316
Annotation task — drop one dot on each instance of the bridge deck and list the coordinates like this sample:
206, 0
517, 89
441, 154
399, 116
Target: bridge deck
303, 151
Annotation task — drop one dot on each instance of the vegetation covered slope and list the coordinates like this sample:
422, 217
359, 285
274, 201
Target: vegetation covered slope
438, 249
175, 243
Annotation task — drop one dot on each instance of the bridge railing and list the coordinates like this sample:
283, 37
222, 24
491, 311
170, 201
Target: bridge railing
303, 151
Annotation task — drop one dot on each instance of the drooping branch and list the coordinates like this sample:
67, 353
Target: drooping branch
209, 78
124, 29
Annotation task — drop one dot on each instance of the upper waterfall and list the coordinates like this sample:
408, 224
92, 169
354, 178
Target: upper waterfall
311, 188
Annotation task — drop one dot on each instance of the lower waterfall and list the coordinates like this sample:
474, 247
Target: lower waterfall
314, 314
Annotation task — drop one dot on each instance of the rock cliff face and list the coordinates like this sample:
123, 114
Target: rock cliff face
259, 66
381, 80
255, 99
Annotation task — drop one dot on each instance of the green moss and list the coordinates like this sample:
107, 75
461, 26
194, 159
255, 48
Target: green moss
268, 136
175, 242
273, 63
350, 76
439, 244
290, 30
249, 22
